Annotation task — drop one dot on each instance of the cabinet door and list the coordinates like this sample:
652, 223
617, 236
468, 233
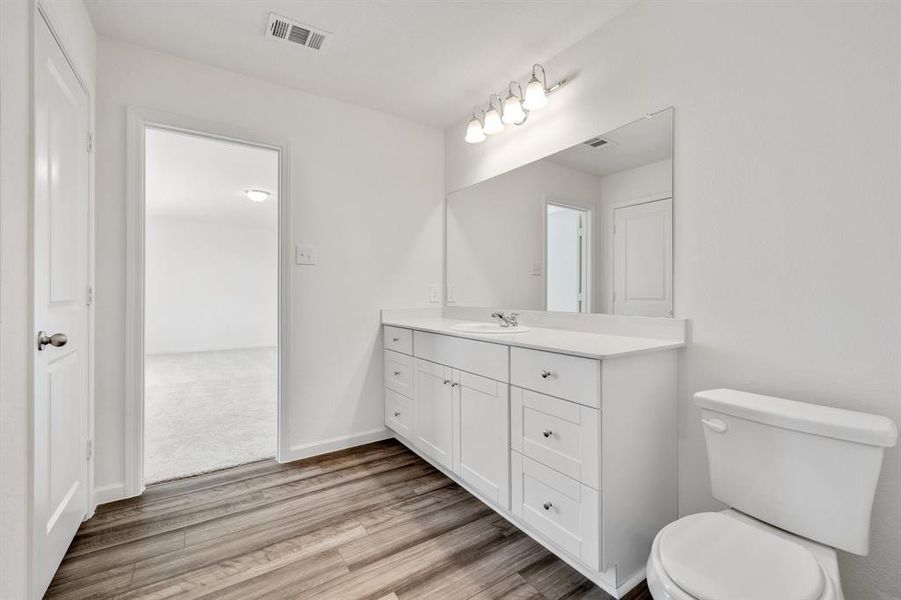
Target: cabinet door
482, 444
433, 396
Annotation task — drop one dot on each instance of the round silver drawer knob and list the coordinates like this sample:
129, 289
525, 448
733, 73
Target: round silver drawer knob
396, 373
397, 413
547, 506
395, 339
545, 374
547, 433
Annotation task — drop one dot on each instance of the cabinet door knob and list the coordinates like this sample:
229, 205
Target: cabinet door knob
397, 413
446, 381
397, 339
454, 384
396, 373
545, 374
547, 433
547, 506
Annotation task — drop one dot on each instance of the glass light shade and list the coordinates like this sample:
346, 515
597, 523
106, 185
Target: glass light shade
256, 195
536, 97
474, 133
513, 112
493, 123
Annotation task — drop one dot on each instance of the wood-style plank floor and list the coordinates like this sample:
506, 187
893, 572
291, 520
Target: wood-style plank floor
373, 522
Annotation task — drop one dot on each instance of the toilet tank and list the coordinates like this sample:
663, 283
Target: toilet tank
808, 469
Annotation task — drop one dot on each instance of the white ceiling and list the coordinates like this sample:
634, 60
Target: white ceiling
639, 143
427, 61
189, 176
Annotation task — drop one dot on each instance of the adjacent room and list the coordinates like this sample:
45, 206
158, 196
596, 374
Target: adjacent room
211, 304
433, 300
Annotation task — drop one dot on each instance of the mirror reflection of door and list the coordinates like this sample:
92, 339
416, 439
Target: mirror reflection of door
643, 259
567, 259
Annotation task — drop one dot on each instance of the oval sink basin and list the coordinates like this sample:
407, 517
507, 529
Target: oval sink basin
490, 328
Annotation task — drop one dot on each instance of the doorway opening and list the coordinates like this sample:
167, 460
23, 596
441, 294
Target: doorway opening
211, 303
567, 265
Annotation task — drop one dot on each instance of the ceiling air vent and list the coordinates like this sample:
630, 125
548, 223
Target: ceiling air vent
597, 142
287, 30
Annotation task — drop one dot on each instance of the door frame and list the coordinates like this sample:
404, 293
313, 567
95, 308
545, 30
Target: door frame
42, 16
138, 120
587, 260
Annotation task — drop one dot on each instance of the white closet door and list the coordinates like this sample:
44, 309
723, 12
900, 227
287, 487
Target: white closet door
643, 259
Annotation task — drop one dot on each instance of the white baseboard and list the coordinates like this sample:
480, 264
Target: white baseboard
109, 493
336, 443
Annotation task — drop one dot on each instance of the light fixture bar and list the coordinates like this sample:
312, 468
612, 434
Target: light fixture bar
512, 108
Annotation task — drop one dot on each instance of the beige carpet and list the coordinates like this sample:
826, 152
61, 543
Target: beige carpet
205, 411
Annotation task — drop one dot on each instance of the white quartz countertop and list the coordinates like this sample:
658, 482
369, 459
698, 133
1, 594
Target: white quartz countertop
564, 341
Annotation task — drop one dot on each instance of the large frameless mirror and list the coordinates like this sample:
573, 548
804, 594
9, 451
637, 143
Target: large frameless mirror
588, 229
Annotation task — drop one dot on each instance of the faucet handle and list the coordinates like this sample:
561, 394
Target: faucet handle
513, 319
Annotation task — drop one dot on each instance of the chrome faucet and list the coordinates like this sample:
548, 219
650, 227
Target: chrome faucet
511, 320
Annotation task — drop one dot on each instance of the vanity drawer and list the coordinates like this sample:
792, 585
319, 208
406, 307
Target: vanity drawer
399, 340
562, 510
482, 358
399, 373
569, 377
559, 434
399, 413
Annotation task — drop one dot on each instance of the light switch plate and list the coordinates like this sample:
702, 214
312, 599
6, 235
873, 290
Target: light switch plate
434, 293
451, 294
305, 254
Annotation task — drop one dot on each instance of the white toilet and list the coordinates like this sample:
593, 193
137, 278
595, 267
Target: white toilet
800, 479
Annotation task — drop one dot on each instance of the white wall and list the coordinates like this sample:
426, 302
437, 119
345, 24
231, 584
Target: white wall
495, 233
209, 285
72, 24
787, 202
365, 189
647, 181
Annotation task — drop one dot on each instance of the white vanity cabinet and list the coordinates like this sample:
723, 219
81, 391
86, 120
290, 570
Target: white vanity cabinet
433, 432
577, 451
481, 452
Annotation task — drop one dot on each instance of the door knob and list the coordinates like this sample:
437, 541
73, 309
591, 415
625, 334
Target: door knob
547, 505
547, 433
56, 340
545, 374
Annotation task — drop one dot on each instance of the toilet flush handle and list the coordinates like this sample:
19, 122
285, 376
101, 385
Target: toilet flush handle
717, 425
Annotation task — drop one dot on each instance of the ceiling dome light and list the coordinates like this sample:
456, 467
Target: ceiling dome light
256, 195
474, 132
513, 113
536, 91
493, 123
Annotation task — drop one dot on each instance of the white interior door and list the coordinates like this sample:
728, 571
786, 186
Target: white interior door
61, 254
643, 259
567, 259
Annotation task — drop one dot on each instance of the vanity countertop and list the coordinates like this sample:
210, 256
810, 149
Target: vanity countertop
580, 343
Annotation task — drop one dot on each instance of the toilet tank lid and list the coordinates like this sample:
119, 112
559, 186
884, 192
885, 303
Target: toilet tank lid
838, 423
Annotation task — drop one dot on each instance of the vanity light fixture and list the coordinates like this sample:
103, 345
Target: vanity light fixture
256, 195
513, 109
493, 123
474, 131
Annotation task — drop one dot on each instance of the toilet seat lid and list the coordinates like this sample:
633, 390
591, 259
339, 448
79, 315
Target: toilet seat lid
715, 557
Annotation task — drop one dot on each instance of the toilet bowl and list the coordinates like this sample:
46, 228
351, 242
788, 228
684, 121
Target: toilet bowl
730, 556
800, 480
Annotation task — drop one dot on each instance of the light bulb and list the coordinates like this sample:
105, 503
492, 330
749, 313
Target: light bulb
513, 112
256, 195
493, 123
536, 97
474, 133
